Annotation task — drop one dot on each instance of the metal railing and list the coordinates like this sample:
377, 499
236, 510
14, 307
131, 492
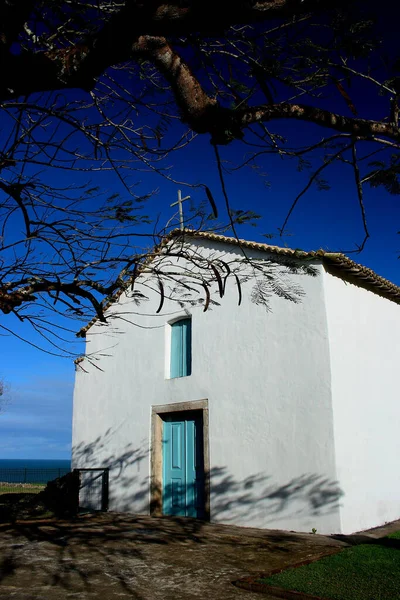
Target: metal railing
27, 480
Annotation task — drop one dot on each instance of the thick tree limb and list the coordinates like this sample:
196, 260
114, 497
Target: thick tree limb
284, 110
196, 106
130, 34
205, 115
81, 63
12, 299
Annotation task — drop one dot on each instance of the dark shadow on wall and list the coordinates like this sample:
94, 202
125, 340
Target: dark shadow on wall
105, 555
126, 484
310, 496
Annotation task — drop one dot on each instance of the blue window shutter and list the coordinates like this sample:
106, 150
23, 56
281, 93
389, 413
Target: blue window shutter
181, 348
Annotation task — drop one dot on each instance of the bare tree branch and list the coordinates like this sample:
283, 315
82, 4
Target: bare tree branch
360, 196
112, 91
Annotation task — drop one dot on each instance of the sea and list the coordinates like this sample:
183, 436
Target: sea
21, 470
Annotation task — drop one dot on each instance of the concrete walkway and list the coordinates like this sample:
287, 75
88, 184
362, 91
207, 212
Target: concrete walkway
113, 556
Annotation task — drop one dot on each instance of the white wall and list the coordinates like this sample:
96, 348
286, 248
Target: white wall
364, 331
267, 379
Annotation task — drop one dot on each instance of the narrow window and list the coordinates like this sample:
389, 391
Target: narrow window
181, 348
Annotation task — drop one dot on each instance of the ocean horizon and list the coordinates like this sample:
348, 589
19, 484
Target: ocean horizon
34, 463
30, 470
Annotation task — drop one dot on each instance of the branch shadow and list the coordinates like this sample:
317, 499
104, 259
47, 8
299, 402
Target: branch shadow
108, 544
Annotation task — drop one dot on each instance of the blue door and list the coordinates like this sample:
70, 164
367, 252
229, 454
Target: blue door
183, 466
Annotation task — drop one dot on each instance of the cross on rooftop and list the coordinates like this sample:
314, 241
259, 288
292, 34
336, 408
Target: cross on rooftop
179, 203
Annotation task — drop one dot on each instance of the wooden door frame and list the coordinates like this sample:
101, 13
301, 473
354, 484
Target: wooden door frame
156, 451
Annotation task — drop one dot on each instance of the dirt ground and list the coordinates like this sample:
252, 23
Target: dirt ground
112, 556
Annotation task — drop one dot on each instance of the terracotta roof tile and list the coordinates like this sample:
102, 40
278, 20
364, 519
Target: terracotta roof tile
335, 262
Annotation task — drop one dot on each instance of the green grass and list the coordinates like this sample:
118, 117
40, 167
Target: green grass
23, 488
365, 572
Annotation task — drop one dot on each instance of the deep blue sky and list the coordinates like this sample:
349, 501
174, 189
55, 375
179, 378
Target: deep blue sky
37, 422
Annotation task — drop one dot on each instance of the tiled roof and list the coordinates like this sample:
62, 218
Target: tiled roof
335, 262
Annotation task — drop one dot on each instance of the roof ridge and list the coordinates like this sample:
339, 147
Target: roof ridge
341, 261
250, 243
337, 261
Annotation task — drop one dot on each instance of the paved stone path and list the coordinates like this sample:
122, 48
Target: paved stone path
114, 557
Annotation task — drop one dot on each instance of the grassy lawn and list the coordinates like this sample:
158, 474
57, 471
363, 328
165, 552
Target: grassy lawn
21, 488
365, 572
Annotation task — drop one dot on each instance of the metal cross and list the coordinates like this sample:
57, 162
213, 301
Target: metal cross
180, 202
